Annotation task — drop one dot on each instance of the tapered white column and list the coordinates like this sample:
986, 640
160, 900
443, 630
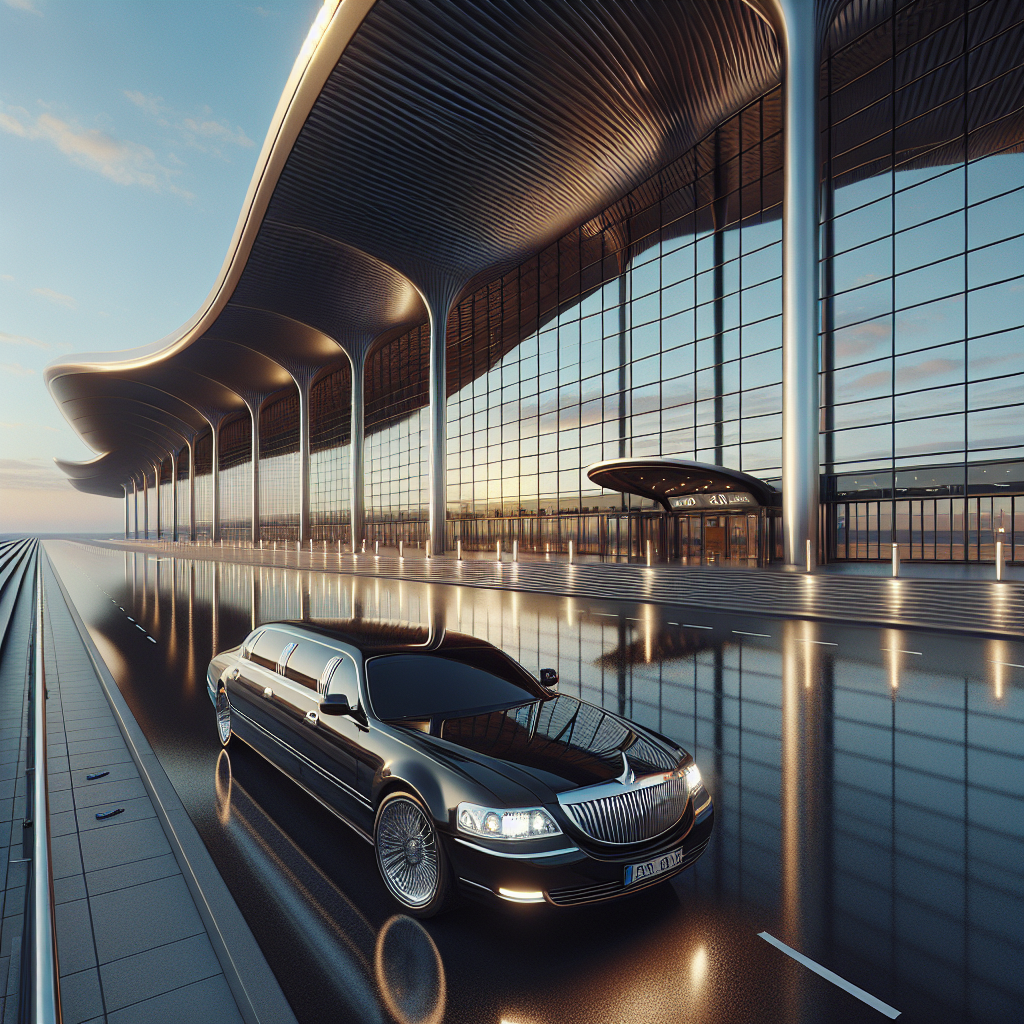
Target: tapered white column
125, 511
797, 29
357, 505
254, 529
135, 496
145, 505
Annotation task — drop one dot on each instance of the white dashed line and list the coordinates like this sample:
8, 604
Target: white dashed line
1008, 664
824, 972
150, 639
899, 650
139, 628
694, 625
743, 632
820, 643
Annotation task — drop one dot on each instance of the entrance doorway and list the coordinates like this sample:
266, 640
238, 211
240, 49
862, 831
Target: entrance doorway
721, 539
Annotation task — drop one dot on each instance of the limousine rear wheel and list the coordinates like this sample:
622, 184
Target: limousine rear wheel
223, 717
410, 855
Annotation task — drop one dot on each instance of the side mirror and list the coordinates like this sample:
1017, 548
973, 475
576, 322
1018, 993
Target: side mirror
549, 678
335, 704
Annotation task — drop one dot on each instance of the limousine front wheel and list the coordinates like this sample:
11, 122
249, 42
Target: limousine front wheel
223, 717
410, 855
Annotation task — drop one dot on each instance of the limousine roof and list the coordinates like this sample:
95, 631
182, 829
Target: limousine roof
385, 637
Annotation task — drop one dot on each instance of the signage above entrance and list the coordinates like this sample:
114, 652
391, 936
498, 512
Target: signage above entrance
722, 499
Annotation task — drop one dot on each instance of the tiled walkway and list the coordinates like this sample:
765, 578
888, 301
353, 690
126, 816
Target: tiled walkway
132, 944
964, 605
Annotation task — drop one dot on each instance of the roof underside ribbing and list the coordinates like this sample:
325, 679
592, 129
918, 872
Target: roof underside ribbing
423, 148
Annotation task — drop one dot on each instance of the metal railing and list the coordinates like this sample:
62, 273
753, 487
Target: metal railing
39, 1001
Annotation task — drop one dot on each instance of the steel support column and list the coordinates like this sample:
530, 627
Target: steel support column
125, 511
215, 480
158, 471
191, 490
305, 531
437, 498
135, 496
174, 495
254, 526
145, 505
357, 505
798, 39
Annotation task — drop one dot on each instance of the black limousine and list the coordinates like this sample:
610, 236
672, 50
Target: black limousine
463, 770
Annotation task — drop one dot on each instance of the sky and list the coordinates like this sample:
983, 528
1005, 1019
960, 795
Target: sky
129, 132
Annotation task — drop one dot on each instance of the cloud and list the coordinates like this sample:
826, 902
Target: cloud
57, 298
16, 370
27, 426
201, 131
6, 277
23, 341
24, 5
119, 160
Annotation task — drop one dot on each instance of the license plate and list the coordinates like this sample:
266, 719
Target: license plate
654, 867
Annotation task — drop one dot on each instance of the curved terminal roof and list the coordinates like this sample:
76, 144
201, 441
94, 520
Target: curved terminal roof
680, 485
421, 147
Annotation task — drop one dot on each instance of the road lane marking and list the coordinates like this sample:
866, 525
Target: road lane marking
140, 628
1008, 664
824, 972
150, 639
694, 625
743, 632
899, 650
821, 643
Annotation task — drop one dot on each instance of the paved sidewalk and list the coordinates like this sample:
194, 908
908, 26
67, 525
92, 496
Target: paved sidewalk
951, 605
133, 943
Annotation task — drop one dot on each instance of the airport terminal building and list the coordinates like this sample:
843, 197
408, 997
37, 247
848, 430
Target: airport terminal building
741, 281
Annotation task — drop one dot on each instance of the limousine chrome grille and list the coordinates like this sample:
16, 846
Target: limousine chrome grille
621, 814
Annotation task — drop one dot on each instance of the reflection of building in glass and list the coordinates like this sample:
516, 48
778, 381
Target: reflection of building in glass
649, 325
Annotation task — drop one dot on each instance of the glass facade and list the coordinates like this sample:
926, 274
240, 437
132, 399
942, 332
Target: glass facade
655, 329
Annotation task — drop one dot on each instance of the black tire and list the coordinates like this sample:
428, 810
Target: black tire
224, 733
411, 856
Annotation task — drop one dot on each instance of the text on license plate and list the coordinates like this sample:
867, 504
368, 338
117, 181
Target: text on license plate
652, 868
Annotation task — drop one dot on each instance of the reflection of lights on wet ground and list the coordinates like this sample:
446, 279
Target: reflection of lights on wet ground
410, 972
699, 967
648, 634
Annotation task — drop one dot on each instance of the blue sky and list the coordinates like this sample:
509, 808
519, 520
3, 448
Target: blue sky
128, 135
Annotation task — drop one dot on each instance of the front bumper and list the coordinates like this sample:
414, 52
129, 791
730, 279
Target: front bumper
575, 876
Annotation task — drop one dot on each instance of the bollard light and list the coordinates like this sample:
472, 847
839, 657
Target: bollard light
895, 560
401, 549
376, 547
497, 551
428, 547
648, 554
999, 554
458, 550
808, 542
570, 552
515, 551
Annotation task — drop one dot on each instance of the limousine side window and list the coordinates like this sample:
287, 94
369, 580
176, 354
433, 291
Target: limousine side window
343, 681
307, 663
267, 649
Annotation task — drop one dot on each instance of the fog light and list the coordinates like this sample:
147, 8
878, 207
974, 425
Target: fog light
521, 896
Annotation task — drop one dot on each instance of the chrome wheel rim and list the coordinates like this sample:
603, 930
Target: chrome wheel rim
223, 717
407, 852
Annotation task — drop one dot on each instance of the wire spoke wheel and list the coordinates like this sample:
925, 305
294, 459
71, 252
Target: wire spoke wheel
407, 852
223, 716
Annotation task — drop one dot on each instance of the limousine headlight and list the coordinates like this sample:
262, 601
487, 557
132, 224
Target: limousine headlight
692, 775
498, 823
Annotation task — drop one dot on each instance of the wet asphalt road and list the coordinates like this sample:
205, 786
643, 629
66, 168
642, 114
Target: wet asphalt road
868, 785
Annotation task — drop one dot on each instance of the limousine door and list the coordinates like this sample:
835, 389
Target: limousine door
325, 747
254, 687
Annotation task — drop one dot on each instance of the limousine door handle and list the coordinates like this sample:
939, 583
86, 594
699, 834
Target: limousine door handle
312, 718
268, 694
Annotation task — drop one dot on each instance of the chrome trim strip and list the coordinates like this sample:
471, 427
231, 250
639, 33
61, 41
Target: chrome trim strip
615, 787
302, 757
476, 885
517, 856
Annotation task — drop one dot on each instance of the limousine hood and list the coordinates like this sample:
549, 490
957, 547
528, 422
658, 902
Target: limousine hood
564, 742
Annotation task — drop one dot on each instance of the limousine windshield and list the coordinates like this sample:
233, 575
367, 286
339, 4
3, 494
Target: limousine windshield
420, 686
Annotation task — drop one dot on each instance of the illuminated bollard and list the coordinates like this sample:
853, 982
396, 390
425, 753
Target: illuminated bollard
515, 551
376, 547
808, 542
570, 552
428, 548
401, 549
497, 551
648, 554
895, 560
999, 556
458, 550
